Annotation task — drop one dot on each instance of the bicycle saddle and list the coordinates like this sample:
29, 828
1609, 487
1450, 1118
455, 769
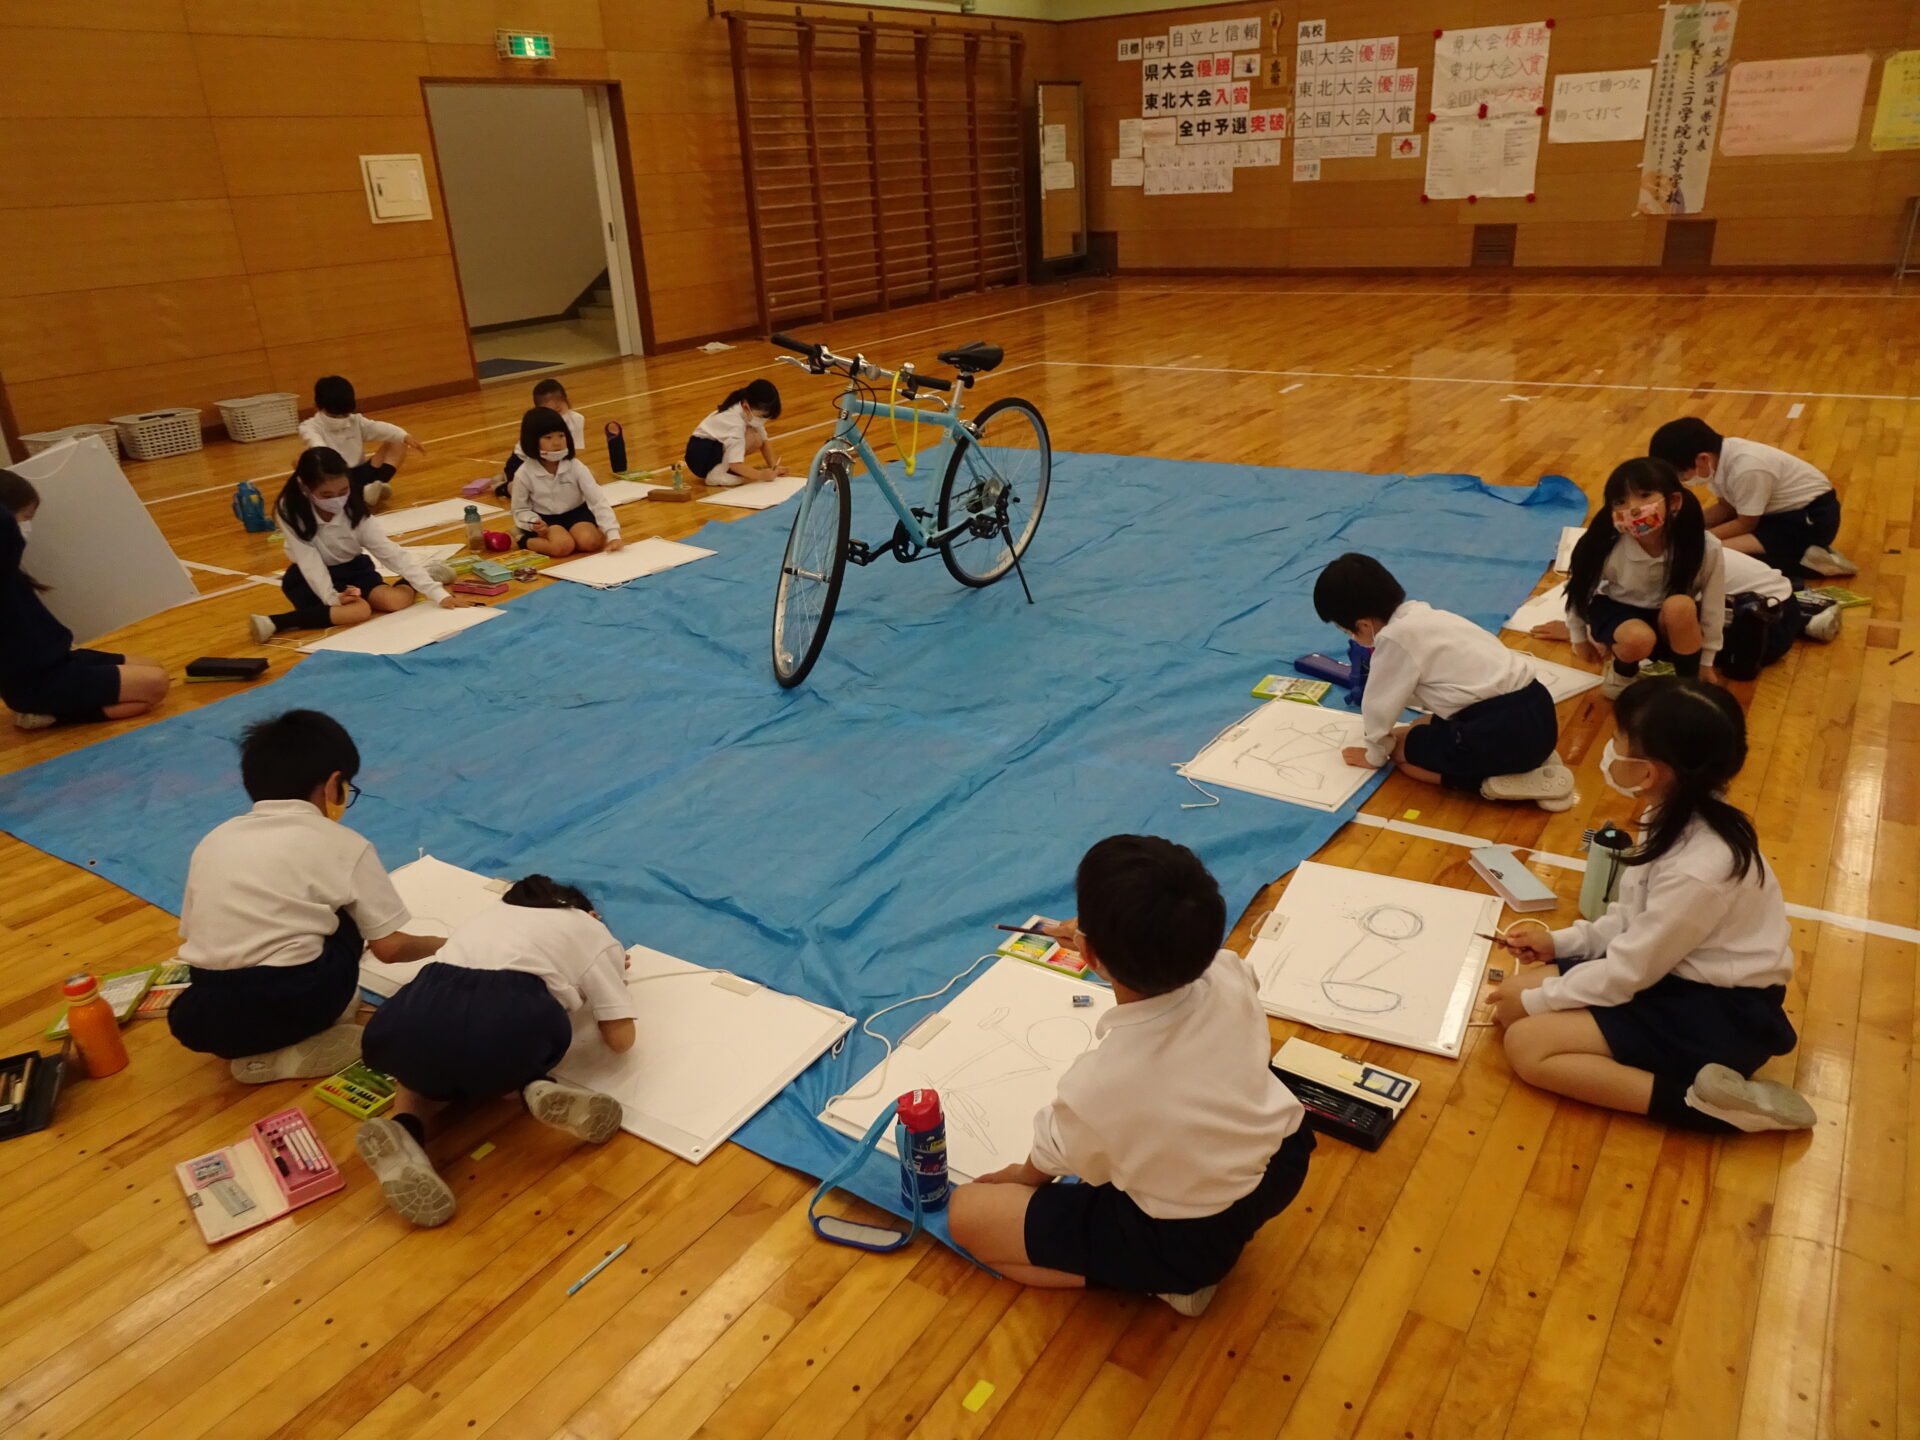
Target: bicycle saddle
974, 359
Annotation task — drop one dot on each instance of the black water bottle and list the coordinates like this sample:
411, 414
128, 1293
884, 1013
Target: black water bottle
616, 448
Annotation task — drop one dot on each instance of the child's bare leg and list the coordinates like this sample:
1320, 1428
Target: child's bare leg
386, 598
588, 538
1430, 777
1746, 544
350, 612
990, 1221
1633, 642
556, 542
391, 452
1563, 1051
143, 685
1680, 623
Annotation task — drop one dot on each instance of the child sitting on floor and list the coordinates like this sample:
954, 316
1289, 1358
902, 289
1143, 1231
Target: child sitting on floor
332, 543
490, 1017
1491, 726
549, 394
44, 679
1185, 1142
1770, 504
336, 426
279, 903
556, 501
718, 450
1669, 1001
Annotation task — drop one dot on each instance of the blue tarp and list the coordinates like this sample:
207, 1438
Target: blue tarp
852, 841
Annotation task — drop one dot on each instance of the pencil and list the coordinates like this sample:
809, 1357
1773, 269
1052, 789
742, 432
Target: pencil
1898, 658
612, 1256
1023, 930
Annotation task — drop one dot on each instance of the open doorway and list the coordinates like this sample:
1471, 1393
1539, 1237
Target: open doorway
535, 204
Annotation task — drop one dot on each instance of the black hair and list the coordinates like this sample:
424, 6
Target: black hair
17, 494
538, 892
334, 395
549, 386
294, 509
1355, 588
1152, 912
1699, 732
1681, 442
538, 423
1686, 530
760, 394
288, 757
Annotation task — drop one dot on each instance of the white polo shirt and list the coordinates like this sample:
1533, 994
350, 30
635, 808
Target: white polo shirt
336, 541
1757, 479
265, 888
574, 953
735, 432
1175, 1105
1748, 575
1434, 660
349, 435
537, 491
1633, 577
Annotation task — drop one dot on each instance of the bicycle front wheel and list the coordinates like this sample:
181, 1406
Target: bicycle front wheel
811, 570
999, 485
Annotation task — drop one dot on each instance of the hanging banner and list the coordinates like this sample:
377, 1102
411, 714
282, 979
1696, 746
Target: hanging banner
1795, 107
1896, 119
1691, 78
1503, 67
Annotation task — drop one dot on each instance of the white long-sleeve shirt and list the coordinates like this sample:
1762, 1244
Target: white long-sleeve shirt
1434, 660
335, 542
1758, 479
1175, 1105
1633, 577
576, 427
349, 435
1683, 915
739, 435
536, 492
570, 950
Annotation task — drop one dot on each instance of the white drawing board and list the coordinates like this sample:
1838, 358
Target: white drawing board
1547, 605
1285, 751
1375, 956
439, 898
995, 1053
710, 1049
761, 495
640, 558
623, 492
1563, 557
1563, 682
431, 516
399, 631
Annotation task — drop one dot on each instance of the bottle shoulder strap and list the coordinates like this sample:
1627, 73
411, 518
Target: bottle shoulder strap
878, 1239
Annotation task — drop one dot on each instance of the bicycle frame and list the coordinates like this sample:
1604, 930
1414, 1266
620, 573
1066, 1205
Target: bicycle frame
848, 439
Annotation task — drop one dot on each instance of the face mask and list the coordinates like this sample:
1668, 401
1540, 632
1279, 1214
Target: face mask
553, 457
1609, 757
26, 528
1641, 521
330, 504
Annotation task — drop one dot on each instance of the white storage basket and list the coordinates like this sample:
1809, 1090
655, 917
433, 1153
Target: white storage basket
261, 417
159, 433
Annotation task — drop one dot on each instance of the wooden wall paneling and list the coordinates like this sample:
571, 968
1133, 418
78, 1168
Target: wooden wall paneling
101, 15
574, 24
387, 362
76, 332
100, 394
298, 155
337, 300
76, 247
245, 75
62, 74
1566, 244
297, 232
483, 62
317, 19
114, 160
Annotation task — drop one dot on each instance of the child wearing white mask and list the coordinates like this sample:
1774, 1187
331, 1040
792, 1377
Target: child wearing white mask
556, 501
1667, 1004
718, 449
332, 543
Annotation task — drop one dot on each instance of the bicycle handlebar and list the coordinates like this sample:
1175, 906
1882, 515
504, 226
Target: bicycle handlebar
822, 359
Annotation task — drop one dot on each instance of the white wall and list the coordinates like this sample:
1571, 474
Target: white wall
517, 168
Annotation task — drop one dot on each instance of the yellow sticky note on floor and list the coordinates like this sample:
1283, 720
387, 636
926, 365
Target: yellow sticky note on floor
1411, 815
484, 1151
978, 1395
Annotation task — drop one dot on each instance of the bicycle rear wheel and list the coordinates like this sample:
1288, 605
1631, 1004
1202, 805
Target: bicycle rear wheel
811, 570
1004, 476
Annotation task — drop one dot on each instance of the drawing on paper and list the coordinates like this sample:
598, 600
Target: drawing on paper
1364, 979
1299, 757
1285, 751
1013, 1052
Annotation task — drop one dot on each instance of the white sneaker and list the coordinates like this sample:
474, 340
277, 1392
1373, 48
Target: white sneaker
407, 1178
1612, 682
327, 1053
377, 493
1750, 1105
26, 720
262, 627
1823, 561
1192, 1304
1824, 628
583, 1114
1549, 785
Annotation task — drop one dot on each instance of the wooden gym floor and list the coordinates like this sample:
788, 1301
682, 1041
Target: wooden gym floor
1506, 1265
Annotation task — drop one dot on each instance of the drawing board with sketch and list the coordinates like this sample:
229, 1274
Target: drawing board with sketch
1375, 956
995, 1053
1285, 751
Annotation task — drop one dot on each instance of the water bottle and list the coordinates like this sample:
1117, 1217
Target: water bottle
616, 448
96, 1032
1602, 882
1360, 659
924, 1165
249, 509
679, 478
476, 532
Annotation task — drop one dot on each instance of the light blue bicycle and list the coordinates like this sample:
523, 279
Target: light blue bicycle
992, 491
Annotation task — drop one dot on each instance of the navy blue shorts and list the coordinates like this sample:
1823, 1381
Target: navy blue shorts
1097, 1231
1676, 1025
1605, 616
459, 1034
359, 572
578, 515
1786, 535
703, 454
78, 687
231, 1013
1507, 735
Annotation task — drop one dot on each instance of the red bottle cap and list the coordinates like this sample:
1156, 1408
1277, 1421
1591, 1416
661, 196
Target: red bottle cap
81, 986
920, 1110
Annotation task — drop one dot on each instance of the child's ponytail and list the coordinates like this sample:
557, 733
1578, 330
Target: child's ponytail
1698, 732
294, 509
763, 395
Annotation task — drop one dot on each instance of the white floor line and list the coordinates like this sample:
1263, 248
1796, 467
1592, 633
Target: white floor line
1882, 928
1293, 387
1203, 288
211, 569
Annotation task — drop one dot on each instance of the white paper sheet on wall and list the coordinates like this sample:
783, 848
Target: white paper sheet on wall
1127, 172
1482, 158
1599, 105
1130, 139
1809, 106
1053, 143
1057, 176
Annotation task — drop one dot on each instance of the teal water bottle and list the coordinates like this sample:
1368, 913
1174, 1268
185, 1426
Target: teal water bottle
1602, 882
250, 510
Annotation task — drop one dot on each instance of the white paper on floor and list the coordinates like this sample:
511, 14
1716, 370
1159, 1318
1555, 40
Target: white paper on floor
641, 557
1547, 605
1563, 682
624, 492
439, 898
1285, 751
761, 495
1563, 557
399, 631
430, 516
427, 554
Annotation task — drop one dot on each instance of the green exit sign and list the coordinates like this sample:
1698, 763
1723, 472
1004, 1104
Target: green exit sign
516, 45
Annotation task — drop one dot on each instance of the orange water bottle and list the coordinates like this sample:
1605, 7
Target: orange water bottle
95, 1031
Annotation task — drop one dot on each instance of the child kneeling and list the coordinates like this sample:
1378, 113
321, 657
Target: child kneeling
1185, 1142
490, 1017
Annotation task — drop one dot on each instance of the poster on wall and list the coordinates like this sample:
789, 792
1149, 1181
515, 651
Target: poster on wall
1190, 169
1204, 36
1192, 88
1689, 81
1482, 158
1896, 118
1346, 88
1795, 107
1254, 125
1503, 67
1599, 105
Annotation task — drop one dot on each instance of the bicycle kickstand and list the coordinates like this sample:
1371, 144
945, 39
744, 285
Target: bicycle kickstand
1006, 533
